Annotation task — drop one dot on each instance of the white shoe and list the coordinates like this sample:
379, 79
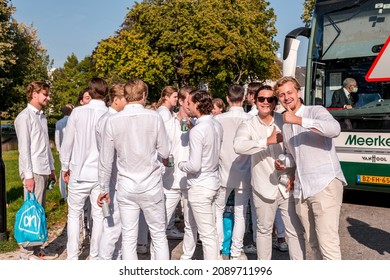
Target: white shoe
174, 234
241, 257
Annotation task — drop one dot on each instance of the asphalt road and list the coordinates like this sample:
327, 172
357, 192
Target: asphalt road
365, 226
364, 232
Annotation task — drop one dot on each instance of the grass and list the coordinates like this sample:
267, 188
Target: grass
55, 211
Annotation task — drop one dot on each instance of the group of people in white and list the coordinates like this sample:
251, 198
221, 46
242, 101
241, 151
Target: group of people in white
143, 163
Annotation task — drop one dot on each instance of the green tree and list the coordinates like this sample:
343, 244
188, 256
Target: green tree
31, 62
308, 7
22, 60
6, 44
127, 55
188, 42
69, 80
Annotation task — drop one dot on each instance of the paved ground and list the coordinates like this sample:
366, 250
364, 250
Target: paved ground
364, 233
57, 245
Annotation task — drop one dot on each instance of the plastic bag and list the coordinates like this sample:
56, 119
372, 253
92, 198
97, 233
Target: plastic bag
30, 227
228, 223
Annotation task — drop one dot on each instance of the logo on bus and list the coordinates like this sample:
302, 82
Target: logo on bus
369, 141
374, 158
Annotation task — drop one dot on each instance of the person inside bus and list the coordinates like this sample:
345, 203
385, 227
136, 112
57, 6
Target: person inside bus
347, 96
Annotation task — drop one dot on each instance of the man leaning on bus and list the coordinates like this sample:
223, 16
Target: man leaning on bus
319, 180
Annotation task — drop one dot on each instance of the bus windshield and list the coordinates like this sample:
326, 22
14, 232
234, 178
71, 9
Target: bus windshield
355, 31
347, 37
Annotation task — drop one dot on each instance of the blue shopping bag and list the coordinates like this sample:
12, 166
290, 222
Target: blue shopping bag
30, 227
228, 223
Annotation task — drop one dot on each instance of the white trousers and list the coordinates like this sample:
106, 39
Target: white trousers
62, 186
265, 211
320, 215
190, 229
153, 206
78, 193
241, 198
111, 241
202, 201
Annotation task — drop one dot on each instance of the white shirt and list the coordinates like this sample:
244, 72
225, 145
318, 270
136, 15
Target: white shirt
33, 143
314, 153
138, 136
100, 129
253, 110
205, 146
173, 177
164, 112
79, 152
60, 131
234, 169
347, 93
251, 139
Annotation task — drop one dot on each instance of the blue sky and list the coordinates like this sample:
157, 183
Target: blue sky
76, 26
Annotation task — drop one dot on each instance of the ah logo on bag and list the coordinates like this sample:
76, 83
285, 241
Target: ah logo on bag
30, 223
30, 226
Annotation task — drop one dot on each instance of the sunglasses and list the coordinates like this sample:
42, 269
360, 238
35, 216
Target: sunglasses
269, 99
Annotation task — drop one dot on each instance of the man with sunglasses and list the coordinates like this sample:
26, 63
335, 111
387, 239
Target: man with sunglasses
261, 138
36, 163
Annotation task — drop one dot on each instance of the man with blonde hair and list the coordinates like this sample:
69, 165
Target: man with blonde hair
318, 187
139, 185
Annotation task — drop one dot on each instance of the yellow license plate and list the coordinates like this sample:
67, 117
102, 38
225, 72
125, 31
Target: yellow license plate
381, 180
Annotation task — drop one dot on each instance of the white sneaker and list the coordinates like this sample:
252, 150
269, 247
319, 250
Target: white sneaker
142, 249
241, 257
174, 234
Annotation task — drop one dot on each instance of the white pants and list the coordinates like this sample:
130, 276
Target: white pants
320, 216
152, 205
78, 193
62, 186
202, 201
265, 211
111, 241
241, 198
172, 198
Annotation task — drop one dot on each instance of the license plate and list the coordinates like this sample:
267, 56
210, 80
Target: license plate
381, 180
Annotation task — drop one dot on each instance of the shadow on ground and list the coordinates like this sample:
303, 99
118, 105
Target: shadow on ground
371, 237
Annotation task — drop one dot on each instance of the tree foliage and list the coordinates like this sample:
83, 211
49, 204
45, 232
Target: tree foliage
6, 44
189, 42
308, 7
26, 60
69, 80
